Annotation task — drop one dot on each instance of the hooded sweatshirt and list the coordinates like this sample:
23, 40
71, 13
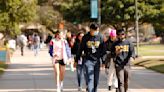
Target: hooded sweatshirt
92, 47
126, 52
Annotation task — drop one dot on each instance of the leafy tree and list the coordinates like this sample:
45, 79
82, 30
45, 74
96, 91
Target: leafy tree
76, 11
159, 21
42, 2
45, 2
52, 12
48, 13
49, 17
14, 12
119, 13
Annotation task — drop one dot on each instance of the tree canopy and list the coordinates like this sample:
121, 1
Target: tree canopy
49, 17
14, 12
119, 13
76, 11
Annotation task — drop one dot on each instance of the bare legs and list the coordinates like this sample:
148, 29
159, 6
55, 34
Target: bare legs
59, 72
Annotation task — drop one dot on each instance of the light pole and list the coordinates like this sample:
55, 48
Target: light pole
99, 12
136, 27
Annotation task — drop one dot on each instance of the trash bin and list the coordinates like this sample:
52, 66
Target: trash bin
4, 55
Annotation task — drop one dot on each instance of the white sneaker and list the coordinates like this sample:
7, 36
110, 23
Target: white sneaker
58, 89
79, 89
61, 86
61, 89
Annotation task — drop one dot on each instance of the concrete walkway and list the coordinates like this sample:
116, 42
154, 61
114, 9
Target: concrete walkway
35, 74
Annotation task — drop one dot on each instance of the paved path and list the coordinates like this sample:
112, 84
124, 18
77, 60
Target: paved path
35, 74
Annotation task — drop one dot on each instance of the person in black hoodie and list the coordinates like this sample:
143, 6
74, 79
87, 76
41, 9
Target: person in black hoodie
80, 64
123, 53
91, 45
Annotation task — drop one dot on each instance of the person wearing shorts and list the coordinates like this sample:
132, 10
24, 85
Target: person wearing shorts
60, 52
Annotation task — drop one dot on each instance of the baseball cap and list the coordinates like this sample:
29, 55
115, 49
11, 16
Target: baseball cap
120, 31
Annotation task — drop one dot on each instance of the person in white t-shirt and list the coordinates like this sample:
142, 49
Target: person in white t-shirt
60, 52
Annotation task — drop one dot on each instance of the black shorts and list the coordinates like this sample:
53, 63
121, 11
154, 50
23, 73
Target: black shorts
61, 62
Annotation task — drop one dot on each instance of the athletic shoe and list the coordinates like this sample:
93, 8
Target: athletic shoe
61, 86
117, 90
109, 88
79, 89
86, 89
58, 90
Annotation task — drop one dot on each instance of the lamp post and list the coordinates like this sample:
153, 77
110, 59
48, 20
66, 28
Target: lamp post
99, 12
136, 27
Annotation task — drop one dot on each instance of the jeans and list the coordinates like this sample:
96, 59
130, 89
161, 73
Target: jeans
92, 69
80, 70
123, 77
36, 49
22, 50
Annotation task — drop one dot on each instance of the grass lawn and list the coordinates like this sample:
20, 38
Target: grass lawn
2, 67
151, 50
153, 64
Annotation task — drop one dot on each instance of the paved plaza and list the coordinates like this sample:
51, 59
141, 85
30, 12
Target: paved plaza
31, 73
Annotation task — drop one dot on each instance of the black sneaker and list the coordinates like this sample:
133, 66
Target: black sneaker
87, 89
109, 88
117, 90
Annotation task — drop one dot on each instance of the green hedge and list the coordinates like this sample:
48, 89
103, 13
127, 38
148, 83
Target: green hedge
3, 66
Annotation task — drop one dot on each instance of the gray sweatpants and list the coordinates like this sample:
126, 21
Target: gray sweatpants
111, 76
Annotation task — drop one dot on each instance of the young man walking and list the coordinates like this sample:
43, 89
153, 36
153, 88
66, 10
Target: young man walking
122, 52
91, 45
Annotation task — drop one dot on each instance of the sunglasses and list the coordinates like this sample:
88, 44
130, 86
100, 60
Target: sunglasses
122, 34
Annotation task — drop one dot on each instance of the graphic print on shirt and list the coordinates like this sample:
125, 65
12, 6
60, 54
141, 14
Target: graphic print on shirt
93, 45
122, 48
58, 49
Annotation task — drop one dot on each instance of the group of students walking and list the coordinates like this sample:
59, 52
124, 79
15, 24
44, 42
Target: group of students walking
89, 51
33, 42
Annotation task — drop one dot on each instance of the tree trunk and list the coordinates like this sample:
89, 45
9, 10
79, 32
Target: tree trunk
2, 41
162, 40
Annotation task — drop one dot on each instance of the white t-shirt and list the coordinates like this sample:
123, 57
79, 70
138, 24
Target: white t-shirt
57, 44
12, 44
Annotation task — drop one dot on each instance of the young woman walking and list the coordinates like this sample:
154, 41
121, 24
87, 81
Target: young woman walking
60, 52
80, 64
